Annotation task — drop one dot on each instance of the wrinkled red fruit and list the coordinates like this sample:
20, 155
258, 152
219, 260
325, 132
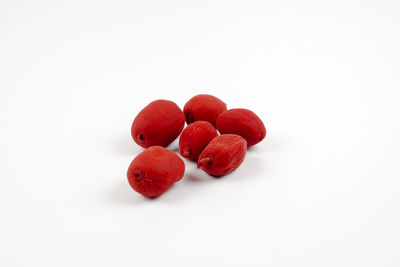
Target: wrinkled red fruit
195, 138
203, 108
154, 171
222, 155
242, 122
158, 124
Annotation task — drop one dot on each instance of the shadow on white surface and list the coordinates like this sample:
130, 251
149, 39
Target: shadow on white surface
270, 143
125, 145
122, 193
194, 178
252, 166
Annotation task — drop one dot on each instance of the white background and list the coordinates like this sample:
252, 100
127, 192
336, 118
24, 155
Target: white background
323, 189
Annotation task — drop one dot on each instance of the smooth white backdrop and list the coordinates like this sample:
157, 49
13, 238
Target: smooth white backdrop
323, 189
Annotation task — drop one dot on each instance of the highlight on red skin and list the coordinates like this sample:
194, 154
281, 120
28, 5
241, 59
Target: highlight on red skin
242, 122
154, 171
159, 123
223, 155
194, 138
203, 107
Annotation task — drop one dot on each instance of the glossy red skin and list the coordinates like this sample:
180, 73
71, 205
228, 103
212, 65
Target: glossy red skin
158, 124
154, 171
242, 122
203, 108
223, 155
195, 137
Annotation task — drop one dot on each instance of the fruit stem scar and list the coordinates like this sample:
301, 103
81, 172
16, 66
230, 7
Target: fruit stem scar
186, 152
206, 161
140, 138
139, 174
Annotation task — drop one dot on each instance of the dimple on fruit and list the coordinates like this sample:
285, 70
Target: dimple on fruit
159, 123
195, 137
222, 155
203, 108
242, 122
154, 171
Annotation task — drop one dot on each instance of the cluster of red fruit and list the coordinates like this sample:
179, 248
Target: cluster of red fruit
156, 169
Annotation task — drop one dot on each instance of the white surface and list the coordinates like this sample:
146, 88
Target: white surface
323, 189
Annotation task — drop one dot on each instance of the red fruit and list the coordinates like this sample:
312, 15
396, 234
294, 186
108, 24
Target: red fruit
158, 124
154, 171
222, 155
242, 122
203, 108
195, 138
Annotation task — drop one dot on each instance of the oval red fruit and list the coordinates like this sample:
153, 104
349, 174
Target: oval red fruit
195, 137
203, 108
158, 124
242, 122
222, 155
154, 171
